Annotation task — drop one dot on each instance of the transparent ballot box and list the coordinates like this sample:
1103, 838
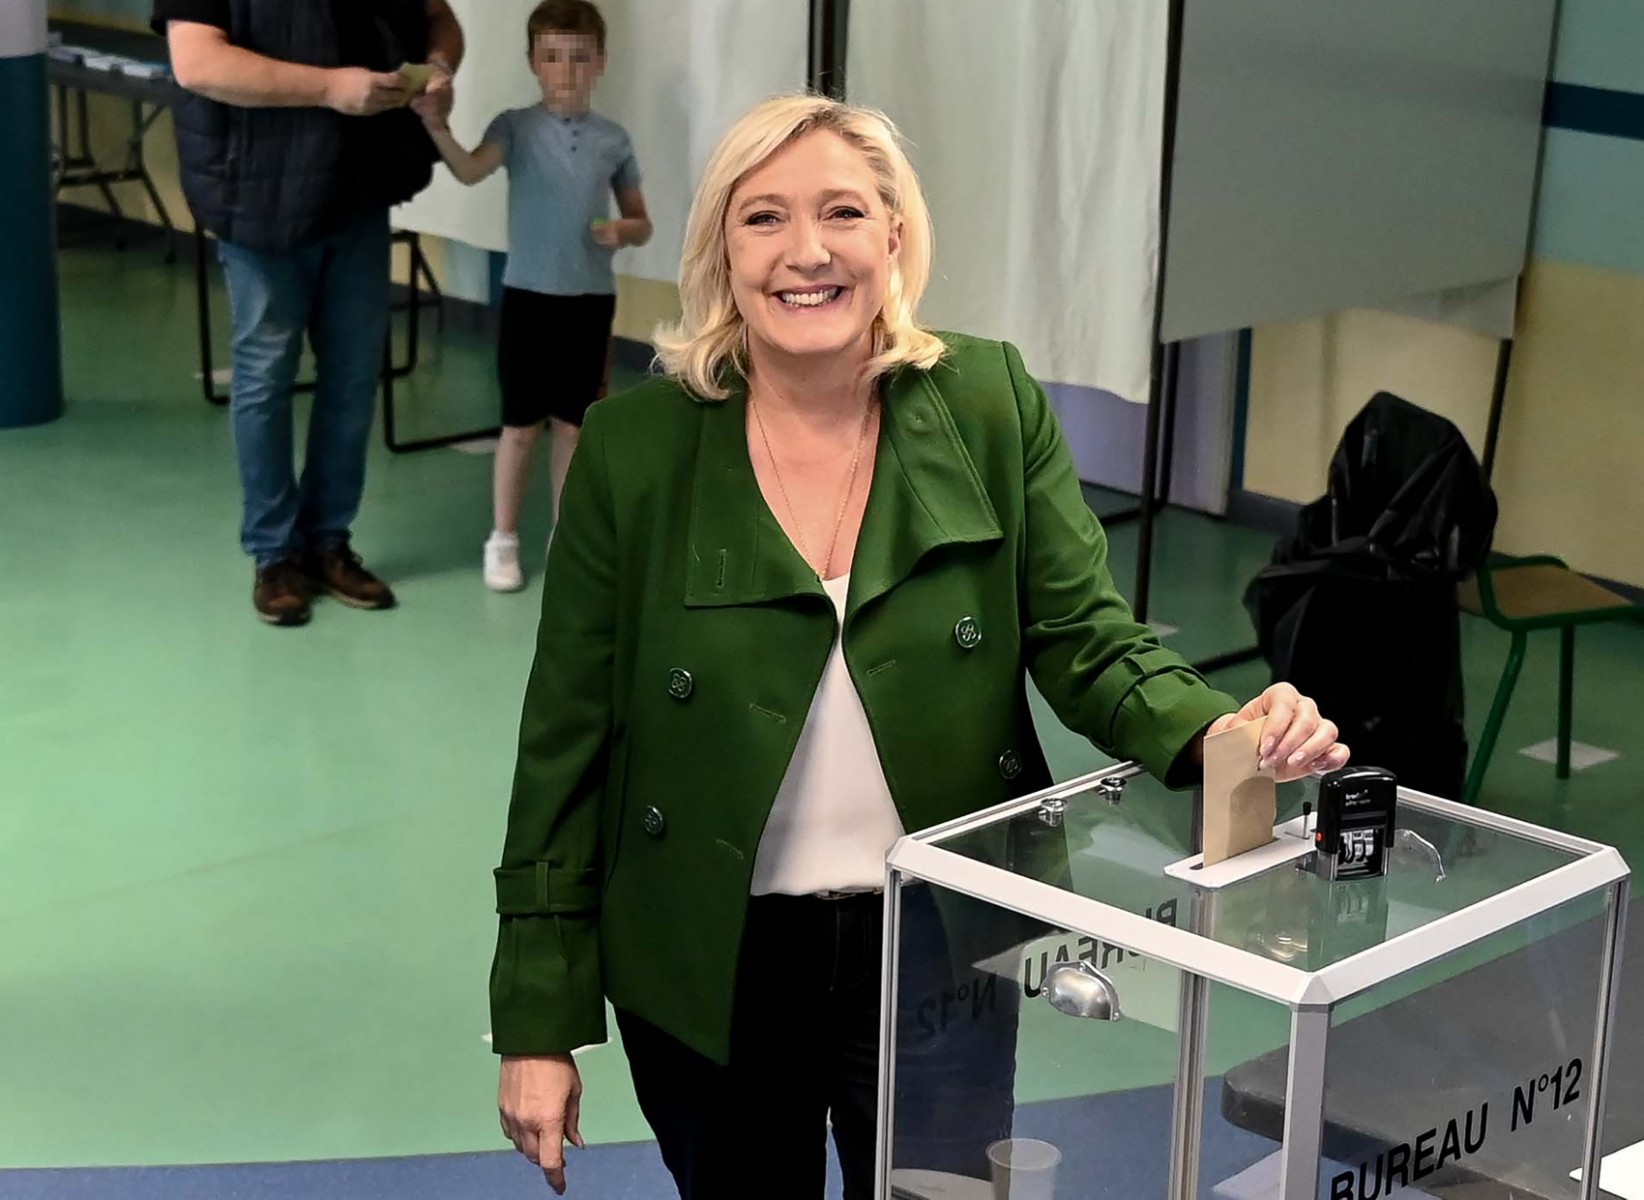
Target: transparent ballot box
1075, 1009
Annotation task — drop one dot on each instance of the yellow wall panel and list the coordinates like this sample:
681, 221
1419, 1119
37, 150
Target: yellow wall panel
1309, 378
91, 15
110, 125
643, 304
1570, 473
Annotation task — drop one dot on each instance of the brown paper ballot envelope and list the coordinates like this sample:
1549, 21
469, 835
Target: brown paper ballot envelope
1241, 801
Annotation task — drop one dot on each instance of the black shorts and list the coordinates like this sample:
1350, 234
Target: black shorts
554, 355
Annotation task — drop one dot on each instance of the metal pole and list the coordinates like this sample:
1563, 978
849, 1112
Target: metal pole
1187, 1117
1609, 986
387, 379
1304, 1104
1155, 387
829, 39
1566, 697
30, 346
1148, 509
1498, 399
1167, 436
883, 1157
202, 308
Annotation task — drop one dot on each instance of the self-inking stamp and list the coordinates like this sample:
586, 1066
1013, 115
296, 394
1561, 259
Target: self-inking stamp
1356, 821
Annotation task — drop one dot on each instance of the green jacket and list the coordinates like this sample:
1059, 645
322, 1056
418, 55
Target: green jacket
683, 638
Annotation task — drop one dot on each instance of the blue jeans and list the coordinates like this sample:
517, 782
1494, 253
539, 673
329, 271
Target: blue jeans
336, 291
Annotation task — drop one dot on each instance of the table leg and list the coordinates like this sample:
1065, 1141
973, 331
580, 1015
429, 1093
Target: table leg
202, 301
83, 122
137, 161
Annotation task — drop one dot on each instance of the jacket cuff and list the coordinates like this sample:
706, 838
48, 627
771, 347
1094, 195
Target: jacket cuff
546, 993
1160, 717
539, 890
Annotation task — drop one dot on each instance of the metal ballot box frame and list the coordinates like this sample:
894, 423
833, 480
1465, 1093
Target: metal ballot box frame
1058, 970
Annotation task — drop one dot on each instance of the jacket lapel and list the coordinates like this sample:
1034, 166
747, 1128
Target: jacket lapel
926, 491
738, 553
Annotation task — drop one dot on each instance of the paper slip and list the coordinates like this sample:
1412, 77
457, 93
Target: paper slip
1241, 801
417, 77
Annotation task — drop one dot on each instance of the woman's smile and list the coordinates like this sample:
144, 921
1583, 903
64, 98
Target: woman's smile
813, 299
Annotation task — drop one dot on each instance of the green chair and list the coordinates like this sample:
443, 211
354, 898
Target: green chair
1521, 596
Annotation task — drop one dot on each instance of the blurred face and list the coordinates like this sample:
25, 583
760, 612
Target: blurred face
567, 65
811, 247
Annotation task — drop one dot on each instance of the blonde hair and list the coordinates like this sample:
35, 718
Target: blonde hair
711, 336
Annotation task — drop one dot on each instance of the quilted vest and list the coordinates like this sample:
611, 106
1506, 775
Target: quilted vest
278, 178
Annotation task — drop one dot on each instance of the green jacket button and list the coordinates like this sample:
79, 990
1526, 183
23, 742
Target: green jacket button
967, 633
653, 821
680, 684
1010, 764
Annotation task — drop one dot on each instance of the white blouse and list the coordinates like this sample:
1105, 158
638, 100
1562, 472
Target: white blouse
833, 820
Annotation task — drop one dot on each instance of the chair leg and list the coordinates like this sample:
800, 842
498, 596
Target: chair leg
1566, 696
1498, 714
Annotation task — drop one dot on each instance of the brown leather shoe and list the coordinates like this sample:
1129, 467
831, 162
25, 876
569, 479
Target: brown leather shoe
338, 572
280, 594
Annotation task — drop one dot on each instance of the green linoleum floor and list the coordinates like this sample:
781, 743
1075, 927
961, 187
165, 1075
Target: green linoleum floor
245, 899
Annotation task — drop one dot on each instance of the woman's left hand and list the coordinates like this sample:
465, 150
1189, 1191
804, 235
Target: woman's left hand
1296, 740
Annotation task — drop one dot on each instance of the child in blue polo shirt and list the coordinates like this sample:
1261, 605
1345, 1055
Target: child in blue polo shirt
564, 164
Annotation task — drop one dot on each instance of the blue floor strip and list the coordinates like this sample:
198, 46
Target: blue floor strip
1100, 1137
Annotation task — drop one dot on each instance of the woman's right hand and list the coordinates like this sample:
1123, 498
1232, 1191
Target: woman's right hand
540, 1101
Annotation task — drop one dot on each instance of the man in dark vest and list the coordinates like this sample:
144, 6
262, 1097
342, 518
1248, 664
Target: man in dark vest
293, 140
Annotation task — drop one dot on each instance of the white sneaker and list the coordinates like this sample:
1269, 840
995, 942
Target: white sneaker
502, 571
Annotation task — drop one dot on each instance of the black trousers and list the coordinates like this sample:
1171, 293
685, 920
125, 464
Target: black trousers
805, 1052
553, 355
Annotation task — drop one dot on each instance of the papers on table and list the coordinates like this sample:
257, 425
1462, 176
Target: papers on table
97, 60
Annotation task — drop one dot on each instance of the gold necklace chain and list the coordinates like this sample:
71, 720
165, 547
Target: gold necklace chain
844, 501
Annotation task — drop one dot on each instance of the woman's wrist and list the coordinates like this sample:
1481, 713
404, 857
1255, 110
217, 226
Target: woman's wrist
1220, 725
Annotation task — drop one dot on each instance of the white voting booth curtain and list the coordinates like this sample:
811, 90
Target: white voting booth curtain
1489, 308
680, 72
1037, 131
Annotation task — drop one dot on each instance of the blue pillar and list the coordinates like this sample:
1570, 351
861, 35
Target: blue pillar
31, 373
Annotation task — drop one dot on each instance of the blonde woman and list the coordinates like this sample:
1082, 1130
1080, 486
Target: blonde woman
710, 771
